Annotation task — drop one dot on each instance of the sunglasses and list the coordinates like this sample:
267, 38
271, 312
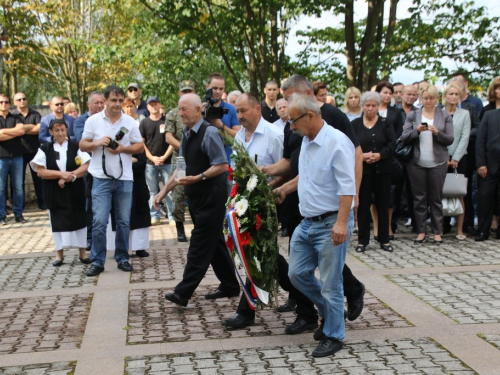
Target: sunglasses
4, 102
59, 104
132, 89
21, 99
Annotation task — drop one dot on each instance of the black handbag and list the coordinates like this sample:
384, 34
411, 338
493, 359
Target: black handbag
403, 152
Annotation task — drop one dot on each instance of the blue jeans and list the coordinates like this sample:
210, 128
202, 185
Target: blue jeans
311, 246
14, 166
104, 192
153, 175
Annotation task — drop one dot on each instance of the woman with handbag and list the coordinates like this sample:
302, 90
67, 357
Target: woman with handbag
430, 130
377, 140
458, 149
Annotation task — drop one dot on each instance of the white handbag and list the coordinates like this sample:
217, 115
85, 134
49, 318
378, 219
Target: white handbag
452, 207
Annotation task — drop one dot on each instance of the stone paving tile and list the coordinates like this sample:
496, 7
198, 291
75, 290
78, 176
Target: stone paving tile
452, 253
38, 273
466, 297
153, 319
420, 356
491, 339
43, 323
58, 368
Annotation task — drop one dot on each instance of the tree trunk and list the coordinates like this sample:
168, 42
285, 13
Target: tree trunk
350, 41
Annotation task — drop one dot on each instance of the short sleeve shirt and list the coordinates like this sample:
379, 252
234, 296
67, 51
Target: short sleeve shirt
11, 147
30, 142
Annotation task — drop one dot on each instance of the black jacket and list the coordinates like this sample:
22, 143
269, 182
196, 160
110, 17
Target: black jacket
488, 141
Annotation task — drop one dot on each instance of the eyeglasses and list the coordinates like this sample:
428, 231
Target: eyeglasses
132, 89
59, 104
20, 99
297, 119
4, 102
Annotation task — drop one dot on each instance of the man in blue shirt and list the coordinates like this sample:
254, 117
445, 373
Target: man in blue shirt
466, 98
229, 121
57, 107
95, 103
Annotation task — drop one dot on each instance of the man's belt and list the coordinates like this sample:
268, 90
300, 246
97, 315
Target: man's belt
323, 216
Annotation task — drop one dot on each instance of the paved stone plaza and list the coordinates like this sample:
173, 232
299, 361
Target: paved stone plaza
428, 310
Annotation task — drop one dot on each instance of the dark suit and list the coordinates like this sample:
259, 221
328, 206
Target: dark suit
488, 155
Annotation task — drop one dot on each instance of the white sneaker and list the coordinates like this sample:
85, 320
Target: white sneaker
408, 223
453, 221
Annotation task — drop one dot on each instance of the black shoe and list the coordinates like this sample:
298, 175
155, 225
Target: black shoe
387, 247
85, 260
470, 230
3, 221
238, 321
20, 219
319, 335
482, 236
126, 267
142, 253
327, 347
177, 298
284, 232
361, 248
221, 294
58, 263
289, 305
94, 270
181, 236
394, 227
391, 237
436, 242
419, 242
355, 306
299, 326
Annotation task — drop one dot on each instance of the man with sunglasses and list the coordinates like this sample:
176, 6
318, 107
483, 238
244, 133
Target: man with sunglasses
134, 92
57, 107
11, 160
31, 120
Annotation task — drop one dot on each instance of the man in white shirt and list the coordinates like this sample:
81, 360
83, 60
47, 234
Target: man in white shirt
262, 140
112, 137
282, 107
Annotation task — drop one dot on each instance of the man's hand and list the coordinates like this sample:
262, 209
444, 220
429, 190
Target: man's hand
67, 176
356, 203
279, 195
217, 123
339, 233
104, 141
118, 150
158, 160
482, 171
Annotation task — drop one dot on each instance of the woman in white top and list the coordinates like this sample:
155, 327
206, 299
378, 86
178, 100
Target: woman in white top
352, 103
62, 165
458, 149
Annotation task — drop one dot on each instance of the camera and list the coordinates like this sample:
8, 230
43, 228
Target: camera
210, 111
118, 137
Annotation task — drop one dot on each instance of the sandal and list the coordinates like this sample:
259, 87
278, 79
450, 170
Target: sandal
461, 237
387, 247
360, 248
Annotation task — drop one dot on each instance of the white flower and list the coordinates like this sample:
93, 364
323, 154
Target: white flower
252, 182
257, 264
241, 207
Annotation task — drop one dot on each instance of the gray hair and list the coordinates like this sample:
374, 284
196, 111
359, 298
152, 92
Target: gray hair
304, 103
278, 102
297, 82
235, 92
92, 94
370, 95
459, 82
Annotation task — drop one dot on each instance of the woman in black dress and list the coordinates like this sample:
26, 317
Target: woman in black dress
378, 142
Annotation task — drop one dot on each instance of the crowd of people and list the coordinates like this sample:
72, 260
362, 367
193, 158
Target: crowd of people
126, 164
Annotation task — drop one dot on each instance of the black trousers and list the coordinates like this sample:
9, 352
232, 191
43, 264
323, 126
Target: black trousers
398, 195
469, 205
37, 181
488, 187
380, 185
207, 246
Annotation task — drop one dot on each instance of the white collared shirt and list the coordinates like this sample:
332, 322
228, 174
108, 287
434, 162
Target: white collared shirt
326, 171
98, 126
266, 142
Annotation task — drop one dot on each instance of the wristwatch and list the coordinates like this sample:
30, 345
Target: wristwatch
203, 177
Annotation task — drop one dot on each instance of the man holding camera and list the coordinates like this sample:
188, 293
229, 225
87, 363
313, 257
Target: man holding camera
112, 137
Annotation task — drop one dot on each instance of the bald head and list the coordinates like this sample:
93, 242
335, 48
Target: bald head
190, 109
